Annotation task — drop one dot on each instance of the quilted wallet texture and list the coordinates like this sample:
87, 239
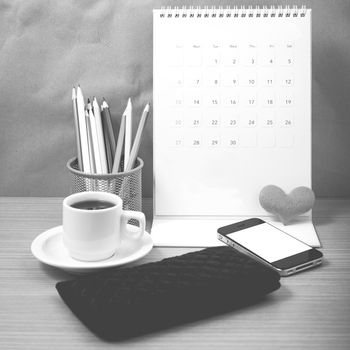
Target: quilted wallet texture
120, 303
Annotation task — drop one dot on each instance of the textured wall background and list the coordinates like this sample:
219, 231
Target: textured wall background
46, 47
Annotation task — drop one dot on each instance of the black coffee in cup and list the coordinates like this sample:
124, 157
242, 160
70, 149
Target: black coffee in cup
92, 205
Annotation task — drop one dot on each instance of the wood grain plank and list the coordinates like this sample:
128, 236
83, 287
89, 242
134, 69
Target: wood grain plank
310, 310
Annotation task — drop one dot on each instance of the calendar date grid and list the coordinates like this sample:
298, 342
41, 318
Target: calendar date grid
231, 96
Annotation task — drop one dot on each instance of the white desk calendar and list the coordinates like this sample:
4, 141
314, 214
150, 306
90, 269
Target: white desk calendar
232, 114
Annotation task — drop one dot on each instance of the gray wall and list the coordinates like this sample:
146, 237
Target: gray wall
106, 46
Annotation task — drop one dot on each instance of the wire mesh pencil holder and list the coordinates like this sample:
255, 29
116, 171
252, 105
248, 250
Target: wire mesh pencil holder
127, 185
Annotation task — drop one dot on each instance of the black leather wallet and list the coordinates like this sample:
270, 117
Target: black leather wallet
120, 303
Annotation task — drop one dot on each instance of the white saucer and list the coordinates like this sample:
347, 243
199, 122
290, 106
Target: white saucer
49, 249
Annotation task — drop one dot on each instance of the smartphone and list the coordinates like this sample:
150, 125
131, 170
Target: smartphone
270, 245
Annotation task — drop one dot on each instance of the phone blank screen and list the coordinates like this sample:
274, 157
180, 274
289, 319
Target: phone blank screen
268, 242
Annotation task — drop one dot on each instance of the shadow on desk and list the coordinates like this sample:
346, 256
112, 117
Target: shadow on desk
56, 274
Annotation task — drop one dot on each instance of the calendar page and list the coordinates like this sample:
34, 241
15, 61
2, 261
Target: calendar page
232, 108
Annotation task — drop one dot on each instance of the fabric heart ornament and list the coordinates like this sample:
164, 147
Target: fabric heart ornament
286, 206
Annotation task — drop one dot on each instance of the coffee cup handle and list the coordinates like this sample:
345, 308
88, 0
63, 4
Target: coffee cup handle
136, 215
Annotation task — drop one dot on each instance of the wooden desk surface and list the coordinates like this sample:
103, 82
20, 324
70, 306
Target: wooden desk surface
310, 310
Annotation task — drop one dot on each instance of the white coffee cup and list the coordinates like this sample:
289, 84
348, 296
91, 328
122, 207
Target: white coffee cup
96, 234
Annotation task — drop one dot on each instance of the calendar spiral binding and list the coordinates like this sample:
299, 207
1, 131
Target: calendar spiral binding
232, 12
